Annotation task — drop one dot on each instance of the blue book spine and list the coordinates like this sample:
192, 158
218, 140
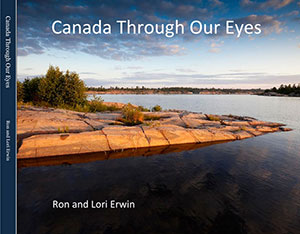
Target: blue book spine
8, 116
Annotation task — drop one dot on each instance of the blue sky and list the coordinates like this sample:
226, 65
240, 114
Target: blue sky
257, 61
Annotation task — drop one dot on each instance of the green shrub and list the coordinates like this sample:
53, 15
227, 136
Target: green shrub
131, 115
144, 109
96, 105
20, 92
31, 90
213, 118
112, 108
156, 108
58, 89
82, 108
61, 90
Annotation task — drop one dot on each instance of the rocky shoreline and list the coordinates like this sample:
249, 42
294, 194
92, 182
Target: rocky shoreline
152, 92
49, 132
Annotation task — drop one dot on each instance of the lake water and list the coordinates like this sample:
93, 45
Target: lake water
249, 186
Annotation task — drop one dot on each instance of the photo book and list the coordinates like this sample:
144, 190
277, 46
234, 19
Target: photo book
150, 117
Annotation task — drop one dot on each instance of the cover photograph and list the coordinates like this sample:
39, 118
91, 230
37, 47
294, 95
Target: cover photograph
149, 117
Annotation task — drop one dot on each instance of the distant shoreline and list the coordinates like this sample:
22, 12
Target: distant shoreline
189, 93
170, 90
282, 91
168, 93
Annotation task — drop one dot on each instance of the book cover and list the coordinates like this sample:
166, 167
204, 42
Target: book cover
128, 116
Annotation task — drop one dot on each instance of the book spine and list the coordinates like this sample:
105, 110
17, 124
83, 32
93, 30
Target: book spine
8, 116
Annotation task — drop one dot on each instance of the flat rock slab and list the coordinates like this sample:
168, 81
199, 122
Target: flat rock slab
236, 123
195, 116
202, 135
45, 121
177, 135
240, 135
265, 129
198, 123
154, 136
63, 144
44, 132
173, 121
206, 135
102, 116
120, 137
164, 114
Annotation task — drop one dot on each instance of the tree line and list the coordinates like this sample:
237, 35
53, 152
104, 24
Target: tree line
182, 90
290, 89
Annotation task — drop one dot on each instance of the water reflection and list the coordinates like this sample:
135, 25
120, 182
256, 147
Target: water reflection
91, 157
249, 186
236, 187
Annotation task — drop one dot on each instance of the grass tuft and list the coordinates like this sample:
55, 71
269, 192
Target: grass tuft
213, 118
131, 115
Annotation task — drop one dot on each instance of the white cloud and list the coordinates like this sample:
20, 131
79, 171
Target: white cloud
275, 4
